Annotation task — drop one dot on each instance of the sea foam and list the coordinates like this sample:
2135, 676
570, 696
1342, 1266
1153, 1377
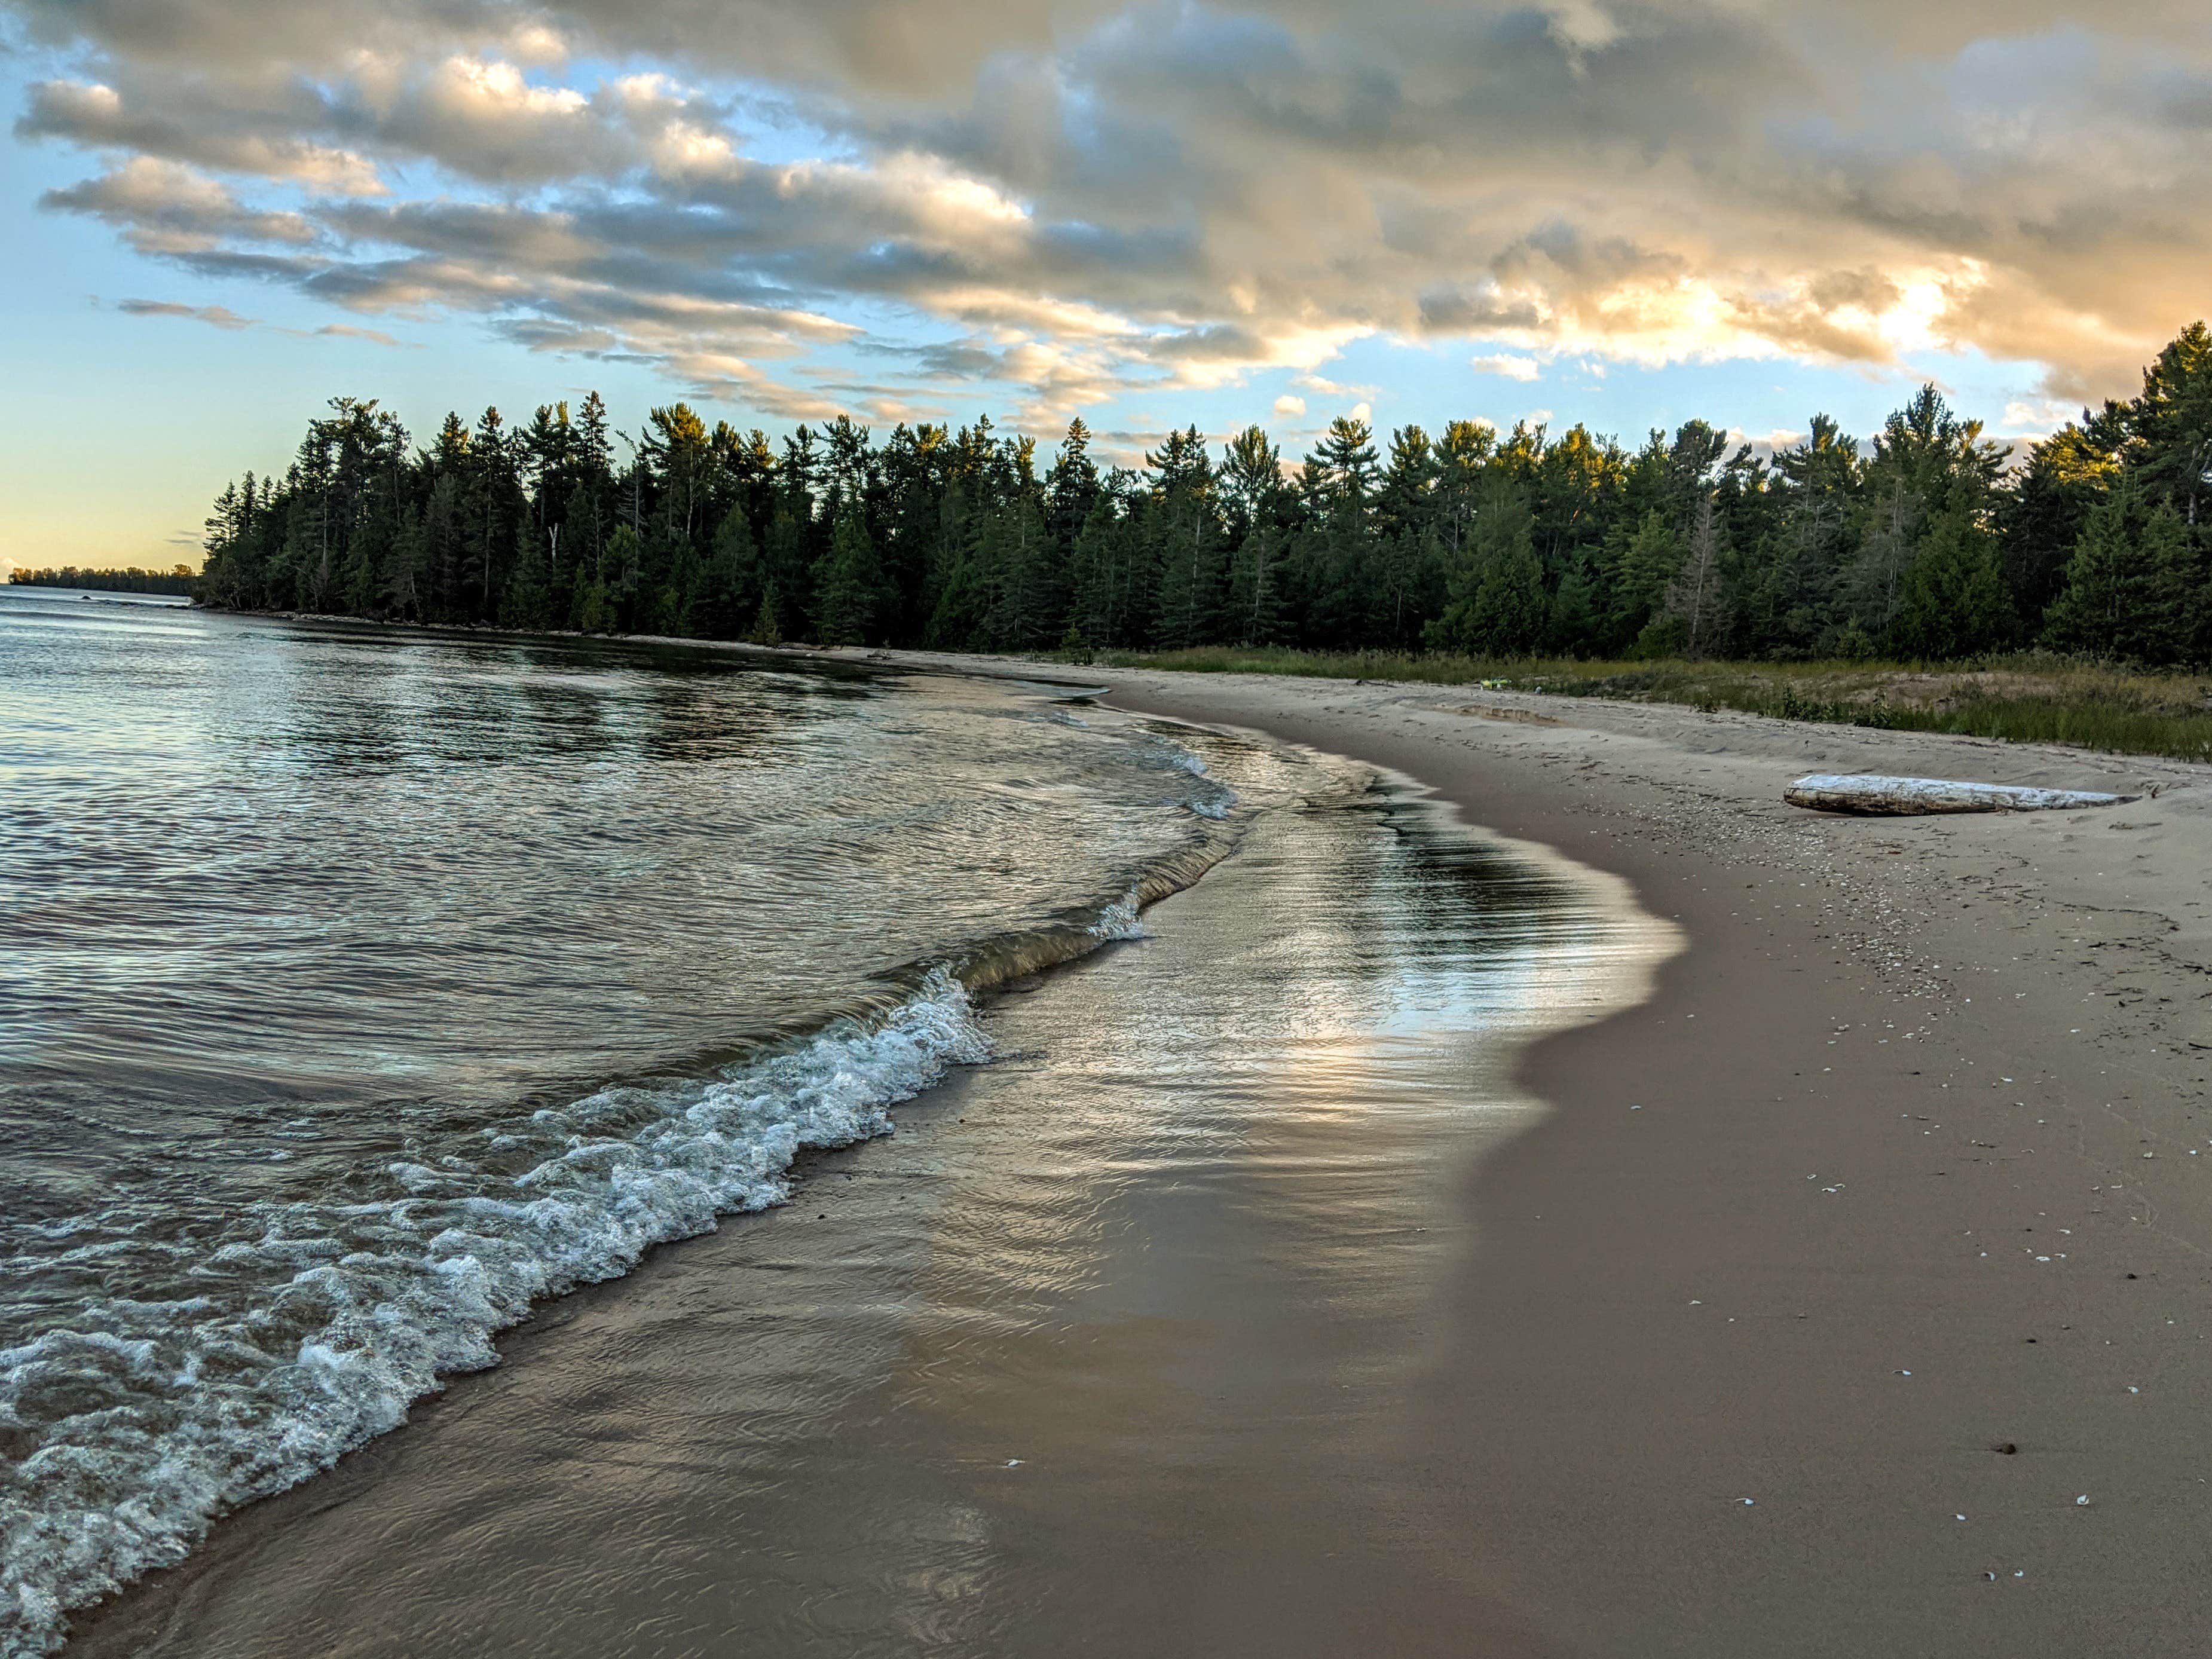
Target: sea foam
142, 1422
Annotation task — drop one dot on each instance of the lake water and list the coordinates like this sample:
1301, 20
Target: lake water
361, 990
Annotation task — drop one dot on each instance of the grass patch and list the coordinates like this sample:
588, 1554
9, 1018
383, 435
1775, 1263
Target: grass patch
2029, 698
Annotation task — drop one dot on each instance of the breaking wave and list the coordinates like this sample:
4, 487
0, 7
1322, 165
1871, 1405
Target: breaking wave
287, 1332
158, 1417
130, 1431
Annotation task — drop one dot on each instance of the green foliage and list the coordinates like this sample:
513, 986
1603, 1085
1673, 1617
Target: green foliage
2134, 587
849, 587
178, 581
730, 585
1930, 540
1643, 563
1497, 603
768, 621
1954, 603
594, 612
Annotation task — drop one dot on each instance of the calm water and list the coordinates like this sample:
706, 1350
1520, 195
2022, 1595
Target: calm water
363, 990
357, 989
1118, 1346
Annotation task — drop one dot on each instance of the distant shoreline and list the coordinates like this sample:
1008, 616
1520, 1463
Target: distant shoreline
2030, 699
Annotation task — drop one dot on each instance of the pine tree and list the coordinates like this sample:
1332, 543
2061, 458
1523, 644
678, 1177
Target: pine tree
1497, 605
527, 602
1642, 564
1953, 603
730, 592
1693, 618
2132, 588
595, 610
623, 583
2172, 424
1572, 623
1258, 577
363, 584
1817, 485
768, 621
963, 598
1507, 615
849, 586
784, 558
1034, 589
1183, 528
1071, 486
1193, 578
403, 597
1097, 567
676, 613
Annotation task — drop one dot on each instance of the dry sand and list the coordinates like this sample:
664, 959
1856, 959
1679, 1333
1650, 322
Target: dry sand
1901, 1166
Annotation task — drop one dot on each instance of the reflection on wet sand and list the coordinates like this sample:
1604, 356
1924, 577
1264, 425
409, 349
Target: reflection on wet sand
1104, 1353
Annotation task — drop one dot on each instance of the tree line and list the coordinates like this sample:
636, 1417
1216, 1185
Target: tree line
1928, 541
132, 579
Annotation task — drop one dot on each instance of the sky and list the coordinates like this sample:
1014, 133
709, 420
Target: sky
223, 212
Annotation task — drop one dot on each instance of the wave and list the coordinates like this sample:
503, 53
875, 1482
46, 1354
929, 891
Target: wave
379, 1299
130, 1432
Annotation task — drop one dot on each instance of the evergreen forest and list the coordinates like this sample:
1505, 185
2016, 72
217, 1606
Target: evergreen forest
179, 580
1925, 541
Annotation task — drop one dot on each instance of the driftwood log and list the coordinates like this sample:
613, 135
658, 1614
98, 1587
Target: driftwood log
1881, 797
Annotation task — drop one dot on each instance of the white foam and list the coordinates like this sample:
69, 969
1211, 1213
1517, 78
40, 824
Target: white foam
1217, 799
226, 1404
1118, 920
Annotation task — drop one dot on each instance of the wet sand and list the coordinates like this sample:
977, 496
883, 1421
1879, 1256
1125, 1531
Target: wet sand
1777, 1234
1914, 1177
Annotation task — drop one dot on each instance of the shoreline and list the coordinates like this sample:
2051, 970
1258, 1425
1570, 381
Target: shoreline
1885, 1176
1003, 665
937, 1321
1888, 1049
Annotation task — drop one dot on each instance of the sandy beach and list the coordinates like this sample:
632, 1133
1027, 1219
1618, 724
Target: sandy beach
1915, 1177
1846, 1297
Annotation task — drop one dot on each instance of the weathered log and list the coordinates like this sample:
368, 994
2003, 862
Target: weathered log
1883, 796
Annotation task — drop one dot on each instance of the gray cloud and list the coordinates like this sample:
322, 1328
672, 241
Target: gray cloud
220, 316
167, 208
1092, 196
223, 318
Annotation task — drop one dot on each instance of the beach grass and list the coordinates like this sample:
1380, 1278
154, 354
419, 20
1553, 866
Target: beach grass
2032, 697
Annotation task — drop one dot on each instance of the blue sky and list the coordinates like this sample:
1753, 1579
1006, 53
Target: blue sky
225, 212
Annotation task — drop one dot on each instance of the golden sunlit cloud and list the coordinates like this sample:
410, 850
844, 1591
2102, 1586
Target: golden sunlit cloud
1108, 198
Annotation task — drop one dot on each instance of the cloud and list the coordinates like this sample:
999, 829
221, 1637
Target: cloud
220, 316
348, 332
223, 318
93, 115
1512, 367
164, 207
1288, 405
1099, 198
2031, 418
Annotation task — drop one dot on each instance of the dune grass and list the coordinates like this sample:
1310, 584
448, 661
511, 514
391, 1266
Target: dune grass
2028, 698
